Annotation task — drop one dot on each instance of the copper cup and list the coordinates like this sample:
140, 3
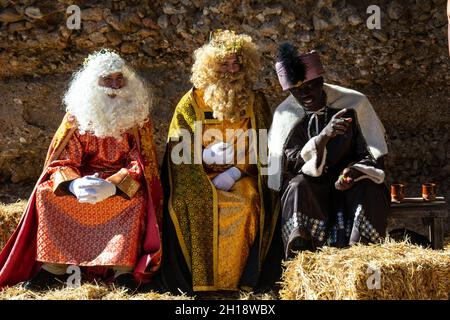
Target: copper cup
429, 191
397, 192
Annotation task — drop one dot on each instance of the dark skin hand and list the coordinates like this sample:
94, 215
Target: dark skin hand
311, 95
114, 80
347, 179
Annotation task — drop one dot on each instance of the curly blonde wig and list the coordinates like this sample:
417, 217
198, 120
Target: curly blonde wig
227, 94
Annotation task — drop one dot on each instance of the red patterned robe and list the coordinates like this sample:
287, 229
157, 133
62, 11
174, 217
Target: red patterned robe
122, 230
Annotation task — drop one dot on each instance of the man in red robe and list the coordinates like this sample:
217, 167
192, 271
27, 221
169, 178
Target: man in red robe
97, 204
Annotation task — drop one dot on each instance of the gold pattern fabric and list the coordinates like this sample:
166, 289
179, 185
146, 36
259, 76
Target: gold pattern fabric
239, 211
191, 209
235, 133
124, 181
238, 208
212, 225
149, 160
61, 176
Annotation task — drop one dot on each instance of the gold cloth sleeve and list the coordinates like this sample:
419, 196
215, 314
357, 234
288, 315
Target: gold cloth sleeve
61, 177
125, 183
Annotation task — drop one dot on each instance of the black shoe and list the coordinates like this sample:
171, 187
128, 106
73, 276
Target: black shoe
44, 280
127, 281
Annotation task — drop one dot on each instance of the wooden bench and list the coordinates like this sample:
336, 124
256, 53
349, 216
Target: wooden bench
433, 215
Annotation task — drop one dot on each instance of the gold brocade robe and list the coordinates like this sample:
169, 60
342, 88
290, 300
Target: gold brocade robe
223, 237
238, 208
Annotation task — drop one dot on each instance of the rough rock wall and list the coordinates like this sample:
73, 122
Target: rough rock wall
403, 67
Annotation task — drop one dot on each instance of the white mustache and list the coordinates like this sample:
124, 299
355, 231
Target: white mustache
112, 91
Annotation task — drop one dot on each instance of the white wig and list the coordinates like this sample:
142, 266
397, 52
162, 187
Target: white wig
93, 108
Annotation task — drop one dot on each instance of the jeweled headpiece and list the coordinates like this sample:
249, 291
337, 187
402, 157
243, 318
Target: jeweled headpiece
226, 42
105, 60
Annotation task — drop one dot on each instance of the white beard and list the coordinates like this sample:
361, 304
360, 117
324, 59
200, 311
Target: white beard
102, 115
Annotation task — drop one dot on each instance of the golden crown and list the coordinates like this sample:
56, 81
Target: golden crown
96, 54
226, 41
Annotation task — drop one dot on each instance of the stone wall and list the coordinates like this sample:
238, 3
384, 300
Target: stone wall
403, 67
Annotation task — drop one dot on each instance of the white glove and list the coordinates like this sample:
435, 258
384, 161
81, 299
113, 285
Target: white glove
227, 179
219, 153
91, 189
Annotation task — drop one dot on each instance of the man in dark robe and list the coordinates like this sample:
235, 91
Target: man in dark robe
328, 144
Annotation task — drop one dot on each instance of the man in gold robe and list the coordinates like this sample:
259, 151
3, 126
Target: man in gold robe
220, 221
97, 202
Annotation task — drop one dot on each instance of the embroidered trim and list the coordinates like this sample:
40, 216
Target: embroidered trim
315, 227
129, 186
364, 226
61, 175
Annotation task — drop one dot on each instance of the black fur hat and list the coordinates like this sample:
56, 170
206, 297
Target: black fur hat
288, 59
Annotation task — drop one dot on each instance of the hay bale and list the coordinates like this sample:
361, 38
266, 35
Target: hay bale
406, 272
85, 292
271, 295
9, 218
102, 292
10, 215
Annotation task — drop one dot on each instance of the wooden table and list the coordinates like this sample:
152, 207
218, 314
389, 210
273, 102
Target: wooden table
432, 213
